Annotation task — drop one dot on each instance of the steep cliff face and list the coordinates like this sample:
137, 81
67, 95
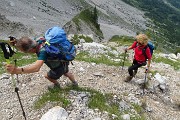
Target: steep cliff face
115, 17
12, 28
38, 15
85, 23
119, 18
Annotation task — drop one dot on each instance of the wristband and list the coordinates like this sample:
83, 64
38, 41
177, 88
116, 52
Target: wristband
22, 70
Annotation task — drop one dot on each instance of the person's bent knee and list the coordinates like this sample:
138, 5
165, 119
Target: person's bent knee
67, 74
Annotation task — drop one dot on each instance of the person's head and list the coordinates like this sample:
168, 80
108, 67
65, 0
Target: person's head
142, 39
26, 45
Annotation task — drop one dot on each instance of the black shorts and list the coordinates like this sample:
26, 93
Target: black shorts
56, 73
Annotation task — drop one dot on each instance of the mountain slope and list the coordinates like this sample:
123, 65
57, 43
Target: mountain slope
106, 79
9, 28
173, 3
165, 17
39, 15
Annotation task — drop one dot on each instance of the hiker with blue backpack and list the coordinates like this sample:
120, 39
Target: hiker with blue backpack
142, 53
54, 50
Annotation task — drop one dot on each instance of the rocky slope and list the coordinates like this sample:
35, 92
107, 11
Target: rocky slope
33, 17
161, 104
116, 17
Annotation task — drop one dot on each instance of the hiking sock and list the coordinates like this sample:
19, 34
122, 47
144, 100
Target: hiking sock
74, 83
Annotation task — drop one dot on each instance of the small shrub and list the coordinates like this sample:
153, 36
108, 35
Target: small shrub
75, 39
86, 38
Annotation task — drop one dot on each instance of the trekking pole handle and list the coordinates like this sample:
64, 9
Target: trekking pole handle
146, 70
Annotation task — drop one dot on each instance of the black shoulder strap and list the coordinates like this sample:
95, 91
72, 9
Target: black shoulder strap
41, 40
144, 51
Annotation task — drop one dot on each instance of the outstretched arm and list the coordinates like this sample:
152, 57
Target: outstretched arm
29, 69
131, 47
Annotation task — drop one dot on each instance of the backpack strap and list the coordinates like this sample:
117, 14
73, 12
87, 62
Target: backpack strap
144, 51
40, 42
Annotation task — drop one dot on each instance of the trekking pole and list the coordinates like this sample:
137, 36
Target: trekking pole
16, 90
13, 42
9, 53
124, 59
144, 85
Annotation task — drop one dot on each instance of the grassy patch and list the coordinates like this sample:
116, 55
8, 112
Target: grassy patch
90, 17
86, 38
153, 72
97, 100
122, 40
175, 64
55, 95
102, 59
76, 39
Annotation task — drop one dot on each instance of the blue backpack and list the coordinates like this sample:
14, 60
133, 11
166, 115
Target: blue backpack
151, 47
58, 46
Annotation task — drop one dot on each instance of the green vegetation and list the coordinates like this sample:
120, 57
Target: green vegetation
76, 39
122, 40
90, 17
139, 110
86, 38
108, 58
55, 95
165, 17
177, 51
102, 59
175, 3
153, 73
97, 100
175, 64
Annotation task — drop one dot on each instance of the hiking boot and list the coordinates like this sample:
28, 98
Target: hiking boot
54, 86
128, 78
134, 73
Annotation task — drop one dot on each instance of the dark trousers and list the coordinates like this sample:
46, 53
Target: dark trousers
135, 66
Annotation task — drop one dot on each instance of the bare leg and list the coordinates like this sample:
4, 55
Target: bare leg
70, 76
